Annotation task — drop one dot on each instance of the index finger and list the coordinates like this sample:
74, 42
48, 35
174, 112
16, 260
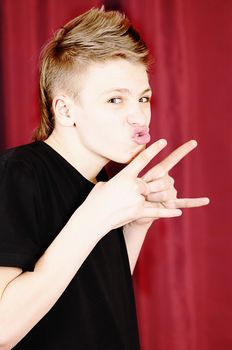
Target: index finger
171, 160
144, 157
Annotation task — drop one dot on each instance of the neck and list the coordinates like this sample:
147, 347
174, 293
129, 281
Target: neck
84, 161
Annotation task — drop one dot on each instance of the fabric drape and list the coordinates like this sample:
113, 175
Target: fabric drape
182, 280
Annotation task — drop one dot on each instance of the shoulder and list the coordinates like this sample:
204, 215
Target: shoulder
23, 158
18, 154
17, 164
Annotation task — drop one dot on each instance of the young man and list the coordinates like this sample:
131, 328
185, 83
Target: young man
70, 237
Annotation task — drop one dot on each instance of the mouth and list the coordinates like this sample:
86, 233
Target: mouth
141, 136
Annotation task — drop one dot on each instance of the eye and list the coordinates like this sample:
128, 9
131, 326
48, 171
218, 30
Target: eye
115, 100
145, 99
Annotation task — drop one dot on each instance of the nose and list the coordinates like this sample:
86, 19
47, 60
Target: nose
139, 115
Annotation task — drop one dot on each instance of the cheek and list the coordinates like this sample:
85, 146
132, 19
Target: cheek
148, 112
96, 133
102, 128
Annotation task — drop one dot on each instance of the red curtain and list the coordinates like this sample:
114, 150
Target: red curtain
182, 281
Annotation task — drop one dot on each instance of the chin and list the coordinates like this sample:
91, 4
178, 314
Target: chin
129, 156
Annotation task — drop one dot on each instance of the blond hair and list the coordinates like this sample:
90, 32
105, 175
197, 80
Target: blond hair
94, 36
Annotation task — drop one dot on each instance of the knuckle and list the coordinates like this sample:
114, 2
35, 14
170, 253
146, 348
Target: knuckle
142, 186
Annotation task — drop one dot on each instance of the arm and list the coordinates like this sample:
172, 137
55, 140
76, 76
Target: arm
23, 293
134, 238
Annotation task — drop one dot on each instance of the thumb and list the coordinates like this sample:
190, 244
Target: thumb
142, 187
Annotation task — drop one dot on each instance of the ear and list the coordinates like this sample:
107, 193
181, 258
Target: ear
61, 106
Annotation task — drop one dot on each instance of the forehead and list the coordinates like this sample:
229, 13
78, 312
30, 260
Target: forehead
114, 74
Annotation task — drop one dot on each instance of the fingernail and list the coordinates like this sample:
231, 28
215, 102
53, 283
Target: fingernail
162, 142
194, 142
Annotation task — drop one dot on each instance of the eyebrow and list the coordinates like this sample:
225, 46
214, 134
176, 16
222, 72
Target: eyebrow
123, 90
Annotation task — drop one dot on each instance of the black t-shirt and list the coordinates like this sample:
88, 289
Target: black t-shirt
39, 191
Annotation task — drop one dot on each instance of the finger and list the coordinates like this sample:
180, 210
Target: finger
144, 157
162, 196
162, 184
186, 202
170, 161
154, 212
142, 186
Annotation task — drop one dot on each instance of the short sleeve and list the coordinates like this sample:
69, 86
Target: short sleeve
19, 216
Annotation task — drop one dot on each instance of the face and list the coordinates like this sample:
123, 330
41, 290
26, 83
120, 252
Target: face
112, 113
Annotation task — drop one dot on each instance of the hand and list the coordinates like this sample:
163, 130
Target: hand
122, 199
160, 184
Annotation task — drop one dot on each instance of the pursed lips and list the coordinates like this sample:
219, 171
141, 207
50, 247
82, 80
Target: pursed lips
141, 135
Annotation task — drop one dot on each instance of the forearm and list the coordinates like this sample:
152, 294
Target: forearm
134, 237
24, 301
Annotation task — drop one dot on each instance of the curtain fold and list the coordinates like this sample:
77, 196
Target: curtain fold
183, 272
182, 280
